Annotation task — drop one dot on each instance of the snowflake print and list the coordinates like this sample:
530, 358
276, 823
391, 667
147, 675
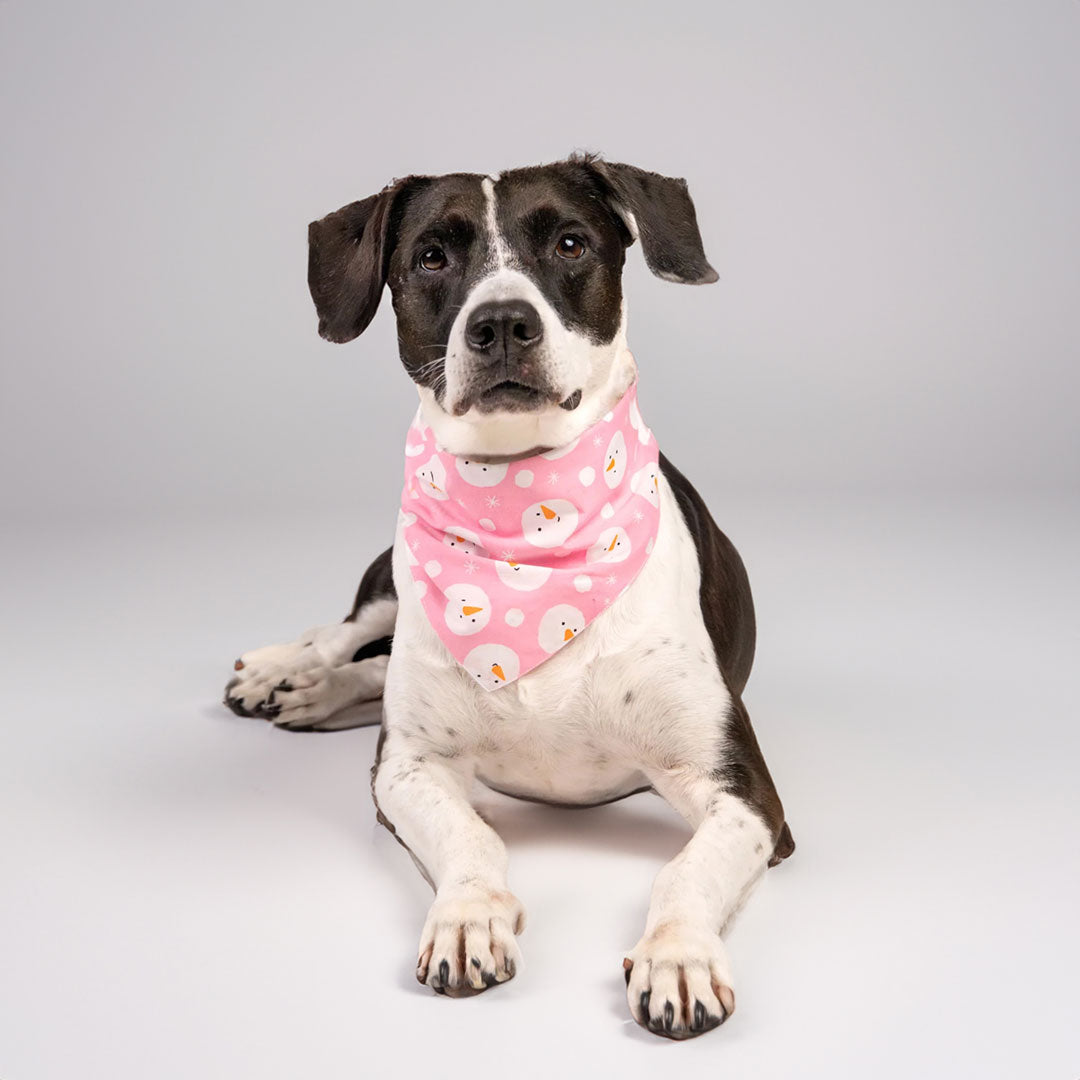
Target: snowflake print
414, 544
493, 502
639, 516
462, 504
471, 566
507, 554
598, 440
553, 478
611, 579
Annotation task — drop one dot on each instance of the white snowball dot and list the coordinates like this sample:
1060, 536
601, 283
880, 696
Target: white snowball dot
608, 417
432, 568
607, 510
515, 617
583, 583
421, 587
587, 475
407, 519
487, 523
649, 546
524, 478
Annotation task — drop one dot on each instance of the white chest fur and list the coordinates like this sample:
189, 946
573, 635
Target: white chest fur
638, 689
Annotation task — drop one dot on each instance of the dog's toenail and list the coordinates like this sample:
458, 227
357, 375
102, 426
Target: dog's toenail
444, 972
699, 1015
669, 1016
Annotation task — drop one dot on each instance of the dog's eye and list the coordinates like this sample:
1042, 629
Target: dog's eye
433, 259
570, 247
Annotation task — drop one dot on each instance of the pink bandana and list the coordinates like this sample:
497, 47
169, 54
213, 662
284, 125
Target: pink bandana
512, 560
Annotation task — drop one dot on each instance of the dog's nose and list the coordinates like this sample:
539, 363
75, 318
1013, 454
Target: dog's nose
503, 328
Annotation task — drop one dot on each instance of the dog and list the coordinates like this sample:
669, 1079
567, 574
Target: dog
511, 322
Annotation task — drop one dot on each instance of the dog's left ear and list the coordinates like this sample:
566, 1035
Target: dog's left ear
348, 255
658, 210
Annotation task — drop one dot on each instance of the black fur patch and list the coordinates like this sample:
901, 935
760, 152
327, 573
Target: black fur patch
728, 610
378, 647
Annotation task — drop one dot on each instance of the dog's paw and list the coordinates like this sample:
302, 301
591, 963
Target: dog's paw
320, 693
299, 684
677, 981
261, 673
468, 940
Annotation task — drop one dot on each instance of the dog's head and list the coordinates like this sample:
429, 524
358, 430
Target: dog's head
507, 290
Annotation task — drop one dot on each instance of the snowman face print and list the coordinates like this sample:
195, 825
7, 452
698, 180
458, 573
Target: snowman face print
550, 523
481, 473
521, 576
646, 483
492, 665
559, 625
431, 479
464, 541
468, 609
615, 461
612, 546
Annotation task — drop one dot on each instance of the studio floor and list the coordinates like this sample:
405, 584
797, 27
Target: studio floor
189, 894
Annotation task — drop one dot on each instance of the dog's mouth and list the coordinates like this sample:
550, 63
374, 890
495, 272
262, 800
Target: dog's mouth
516, 396
510, 395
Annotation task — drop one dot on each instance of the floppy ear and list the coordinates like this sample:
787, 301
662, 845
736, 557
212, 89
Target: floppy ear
348, 255
658, 210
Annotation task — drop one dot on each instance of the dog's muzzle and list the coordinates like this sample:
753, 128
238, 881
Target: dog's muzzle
505, 341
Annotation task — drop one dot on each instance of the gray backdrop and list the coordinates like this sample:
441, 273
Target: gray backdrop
878, 399
888, 192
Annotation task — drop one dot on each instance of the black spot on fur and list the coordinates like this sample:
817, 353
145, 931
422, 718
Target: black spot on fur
378, 647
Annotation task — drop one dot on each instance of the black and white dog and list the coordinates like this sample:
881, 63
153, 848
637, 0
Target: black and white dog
511, 322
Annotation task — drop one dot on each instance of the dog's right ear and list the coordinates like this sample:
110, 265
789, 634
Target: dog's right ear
348, 255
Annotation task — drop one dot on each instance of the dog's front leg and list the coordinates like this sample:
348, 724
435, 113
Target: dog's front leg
677, 976
468, 941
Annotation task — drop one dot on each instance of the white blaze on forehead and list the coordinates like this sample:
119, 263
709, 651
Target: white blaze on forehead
500, 252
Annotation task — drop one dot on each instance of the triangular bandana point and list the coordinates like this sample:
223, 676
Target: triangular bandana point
512, 560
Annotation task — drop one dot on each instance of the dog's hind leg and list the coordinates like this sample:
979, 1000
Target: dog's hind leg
303, 683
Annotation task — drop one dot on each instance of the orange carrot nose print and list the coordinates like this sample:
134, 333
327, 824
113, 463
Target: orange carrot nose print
548, 512
567, 634
610, 465
460, 539
614, 541
498, 672
513, 565
466, 610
